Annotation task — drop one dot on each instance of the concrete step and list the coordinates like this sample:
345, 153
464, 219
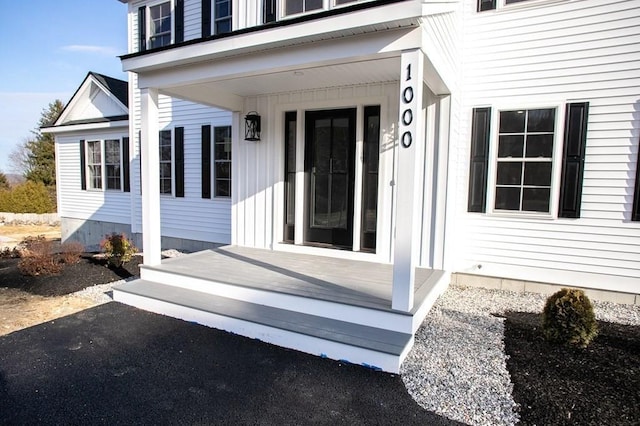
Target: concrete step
374, 347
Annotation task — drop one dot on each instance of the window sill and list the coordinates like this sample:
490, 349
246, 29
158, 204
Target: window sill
518, 215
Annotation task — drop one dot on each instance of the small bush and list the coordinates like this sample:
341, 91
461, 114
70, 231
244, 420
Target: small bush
37, 257
70, 252
118, 249
568, 317
29, 197
9, 253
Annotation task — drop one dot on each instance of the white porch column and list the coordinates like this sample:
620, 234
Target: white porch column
150, 177
411, 140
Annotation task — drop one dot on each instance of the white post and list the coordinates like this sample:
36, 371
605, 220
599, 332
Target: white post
411, 139
150, 177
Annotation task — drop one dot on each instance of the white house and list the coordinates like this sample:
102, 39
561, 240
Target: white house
352, 155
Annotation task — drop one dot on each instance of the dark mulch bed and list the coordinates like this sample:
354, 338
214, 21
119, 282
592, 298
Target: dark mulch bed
89, 271
555, 384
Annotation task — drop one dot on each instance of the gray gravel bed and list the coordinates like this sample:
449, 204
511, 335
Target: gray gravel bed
457, 367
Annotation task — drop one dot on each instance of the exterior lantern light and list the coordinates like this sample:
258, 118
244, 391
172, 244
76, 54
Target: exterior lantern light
252, 126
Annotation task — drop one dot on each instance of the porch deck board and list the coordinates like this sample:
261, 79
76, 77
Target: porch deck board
372, 338
359, 283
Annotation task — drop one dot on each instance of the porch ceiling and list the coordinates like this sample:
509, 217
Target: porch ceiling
225, 91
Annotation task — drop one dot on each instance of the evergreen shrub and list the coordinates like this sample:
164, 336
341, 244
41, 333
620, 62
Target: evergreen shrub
568, 317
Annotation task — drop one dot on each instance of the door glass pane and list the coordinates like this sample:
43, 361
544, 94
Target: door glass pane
339, 201
340, 146
322, 146
320, 189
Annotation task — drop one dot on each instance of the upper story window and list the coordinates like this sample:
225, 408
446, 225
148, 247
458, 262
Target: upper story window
221, 16
292, 7
216, 17
160, 25
296, 7
497, 4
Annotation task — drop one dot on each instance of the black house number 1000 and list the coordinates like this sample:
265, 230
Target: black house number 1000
407, 114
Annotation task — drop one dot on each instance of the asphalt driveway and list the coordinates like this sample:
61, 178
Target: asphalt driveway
114, 364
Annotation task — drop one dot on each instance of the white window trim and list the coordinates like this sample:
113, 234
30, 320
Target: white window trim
103, 164
173, 162
148, 21
556, 167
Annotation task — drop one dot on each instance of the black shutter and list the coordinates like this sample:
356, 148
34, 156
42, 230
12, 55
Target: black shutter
206, 161
206, 18
179, 17
269, 11
479, 161
179, 149
486, 5
83, 167
575, 138
126, 186
142, 28
635, 213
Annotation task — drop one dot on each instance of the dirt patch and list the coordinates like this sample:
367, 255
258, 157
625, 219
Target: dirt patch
19, 232
19, 309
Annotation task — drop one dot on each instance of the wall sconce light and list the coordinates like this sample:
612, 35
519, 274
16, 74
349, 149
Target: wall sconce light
252, 126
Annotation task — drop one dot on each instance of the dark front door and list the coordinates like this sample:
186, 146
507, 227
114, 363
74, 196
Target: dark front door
329, 166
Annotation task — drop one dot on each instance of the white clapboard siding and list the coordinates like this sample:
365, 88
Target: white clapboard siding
75, 203
259, 191
551, 53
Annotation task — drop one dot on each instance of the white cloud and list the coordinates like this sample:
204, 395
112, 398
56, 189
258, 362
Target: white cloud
87, 48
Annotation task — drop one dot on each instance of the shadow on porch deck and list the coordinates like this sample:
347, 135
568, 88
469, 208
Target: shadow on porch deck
325, 306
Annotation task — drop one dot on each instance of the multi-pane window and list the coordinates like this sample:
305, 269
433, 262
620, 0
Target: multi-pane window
293, 7
524, 160
102, 164
160, 25
222, 161
112, 163
221, 16
94, 164
165, 162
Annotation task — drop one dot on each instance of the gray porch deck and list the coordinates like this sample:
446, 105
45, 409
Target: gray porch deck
325, 306
351, 282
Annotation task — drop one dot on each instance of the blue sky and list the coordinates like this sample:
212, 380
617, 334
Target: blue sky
47, 47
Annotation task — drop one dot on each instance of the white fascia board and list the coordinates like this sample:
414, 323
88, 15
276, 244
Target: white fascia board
355, 48
406, 12
83, 127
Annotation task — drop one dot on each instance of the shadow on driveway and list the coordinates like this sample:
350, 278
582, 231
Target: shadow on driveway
114, 364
